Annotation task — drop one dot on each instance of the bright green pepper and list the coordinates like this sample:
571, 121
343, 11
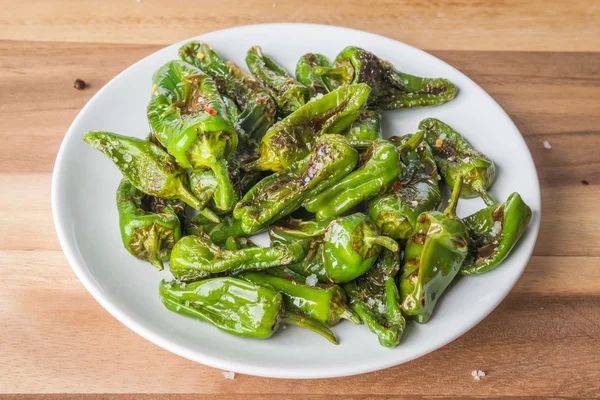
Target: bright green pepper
195, 257
279, 194
395, 213
366, 128
493, 232
288, 93
306, 75
292, 138
375, 298
351, 246
391, 89
455, 157
149, 168
432, 258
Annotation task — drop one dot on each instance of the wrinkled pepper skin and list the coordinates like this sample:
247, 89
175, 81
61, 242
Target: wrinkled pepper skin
493, 231
366, 128
277, 195
258, 109
288, 93
351, 246
432, 258
395, 213
203, 184
455, 157
149, 168
306, 75
234, 306
188, 116
380, 169
375, 298
292, 138
149, 226
195, 257
391, 89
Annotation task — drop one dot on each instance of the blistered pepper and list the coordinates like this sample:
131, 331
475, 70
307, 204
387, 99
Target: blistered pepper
432, 258
391, 89
306, 75
366, 128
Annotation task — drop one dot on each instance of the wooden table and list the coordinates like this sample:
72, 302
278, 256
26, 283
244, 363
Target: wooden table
539, 59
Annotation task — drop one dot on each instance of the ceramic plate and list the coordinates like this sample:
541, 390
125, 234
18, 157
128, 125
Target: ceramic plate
85, 215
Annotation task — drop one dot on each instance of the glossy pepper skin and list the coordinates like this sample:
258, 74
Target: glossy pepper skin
432, 258
293, 137
149, 226
189, 118
279, 194
350, 247
456, 157
257, 108
196, 257
379, 170
395, 213
391, 89
366, 128
289, 94
148, 167
305, 72
493, 231
235, 306
375, 298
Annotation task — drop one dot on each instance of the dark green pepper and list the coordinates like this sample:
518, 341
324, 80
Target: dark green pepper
375, 298
148, 167
366, 128
432, 258
455, 157
288, 93
292, 138
306, 75
279, 194
493, 231
351, 246
391, 89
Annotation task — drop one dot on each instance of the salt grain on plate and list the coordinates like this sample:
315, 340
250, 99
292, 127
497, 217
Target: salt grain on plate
477, 374
228, 374
547, 144
312, 280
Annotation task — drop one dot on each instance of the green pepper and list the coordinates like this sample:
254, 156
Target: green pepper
238, 243
395, 213
288, 93
231, 108
258, 108
199, 225
455, 157
366, 128
375, 298
351, 246
279, 194
306, 75
149, 168
150, 226
432, 258
292, 138
493, 231
196, 257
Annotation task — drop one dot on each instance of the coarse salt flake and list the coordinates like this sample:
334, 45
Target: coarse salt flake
228, 374
496, 228
311, 280
547, 144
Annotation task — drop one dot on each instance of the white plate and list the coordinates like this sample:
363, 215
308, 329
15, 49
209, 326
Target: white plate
85, 215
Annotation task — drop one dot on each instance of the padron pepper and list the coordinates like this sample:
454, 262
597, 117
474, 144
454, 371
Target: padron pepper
148, 167
493, 231
366, 128
455, 157
289, 94
292, 138
306, 75
350, 247
391, 89
432, 258
277, 195
375, 298
395, 213
189, 118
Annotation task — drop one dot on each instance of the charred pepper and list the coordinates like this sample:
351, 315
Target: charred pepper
306, 75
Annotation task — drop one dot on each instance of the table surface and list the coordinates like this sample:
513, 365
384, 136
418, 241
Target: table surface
539, 59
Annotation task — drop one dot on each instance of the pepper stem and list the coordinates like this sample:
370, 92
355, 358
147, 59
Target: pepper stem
483, 193
224, 196
350, 315
414, 140
310, 324
188, 197
152, 245
333, 72
383, 241
453, 202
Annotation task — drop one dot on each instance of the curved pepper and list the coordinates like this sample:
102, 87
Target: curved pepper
288, 93
306, 75
366, 128
148, 168
391, 89
432, 258
493, 231
375, 298
279, 194
292, 138
395, 213
455, 157
351, 246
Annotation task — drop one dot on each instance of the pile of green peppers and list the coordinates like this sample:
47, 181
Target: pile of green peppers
353, 219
